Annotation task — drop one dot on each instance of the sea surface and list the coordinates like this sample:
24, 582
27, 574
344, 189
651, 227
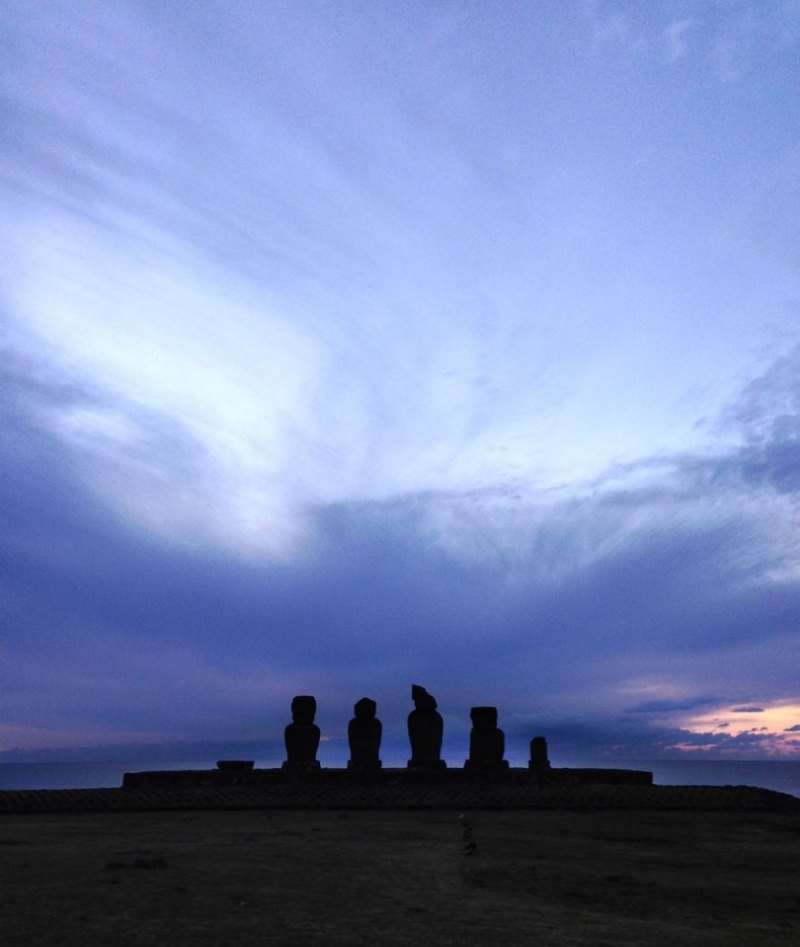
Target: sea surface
783, 776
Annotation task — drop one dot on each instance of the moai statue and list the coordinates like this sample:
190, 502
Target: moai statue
487, 743
302, 735
539, 764
364, 735
425, 728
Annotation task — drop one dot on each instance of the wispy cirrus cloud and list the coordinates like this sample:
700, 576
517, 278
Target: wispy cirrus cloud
342, 351
428, 586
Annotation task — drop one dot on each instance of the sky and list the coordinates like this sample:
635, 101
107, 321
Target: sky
349, 346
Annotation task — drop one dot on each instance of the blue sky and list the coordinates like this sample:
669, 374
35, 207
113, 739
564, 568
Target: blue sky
350, 345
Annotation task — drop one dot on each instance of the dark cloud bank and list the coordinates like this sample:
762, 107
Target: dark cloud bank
597, 618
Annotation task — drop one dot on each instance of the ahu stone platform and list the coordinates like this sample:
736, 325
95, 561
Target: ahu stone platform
578, 791
326, 780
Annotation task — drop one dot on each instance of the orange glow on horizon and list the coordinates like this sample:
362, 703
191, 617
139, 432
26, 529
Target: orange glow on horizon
773, 726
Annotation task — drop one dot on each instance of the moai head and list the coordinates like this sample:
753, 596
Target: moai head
484, 718
365, 708
304, 708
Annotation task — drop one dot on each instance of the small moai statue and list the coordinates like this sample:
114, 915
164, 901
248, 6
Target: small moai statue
302, 735
364, 736
487, 743
425, 728
539, 764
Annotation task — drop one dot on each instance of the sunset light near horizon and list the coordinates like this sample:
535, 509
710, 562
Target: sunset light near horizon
351, 345
774, 730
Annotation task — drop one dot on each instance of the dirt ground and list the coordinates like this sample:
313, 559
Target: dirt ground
434, 878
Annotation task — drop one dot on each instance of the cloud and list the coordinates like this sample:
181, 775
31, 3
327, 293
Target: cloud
672, 706
793, 729
767, 418
748, 710
324, 367
731, 40
750, 33
675, 36
549, 605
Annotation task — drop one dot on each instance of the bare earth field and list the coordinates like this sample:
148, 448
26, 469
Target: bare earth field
544, 877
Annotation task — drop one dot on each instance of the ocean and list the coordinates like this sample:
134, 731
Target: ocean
783, 776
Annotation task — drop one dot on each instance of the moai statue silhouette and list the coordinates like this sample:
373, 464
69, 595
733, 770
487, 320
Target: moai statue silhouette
302, 735
487, 743
364, 736
425, 727
539, 764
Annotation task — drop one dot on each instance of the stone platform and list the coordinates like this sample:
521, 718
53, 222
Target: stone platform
577, 789
331, 779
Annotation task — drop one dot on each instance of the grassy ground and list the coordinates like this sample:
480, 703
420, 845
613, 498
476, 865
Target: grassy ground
524, 877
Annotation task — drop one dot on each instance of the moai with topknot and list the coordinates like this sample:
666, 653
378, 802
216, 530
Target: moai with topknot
425, 729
